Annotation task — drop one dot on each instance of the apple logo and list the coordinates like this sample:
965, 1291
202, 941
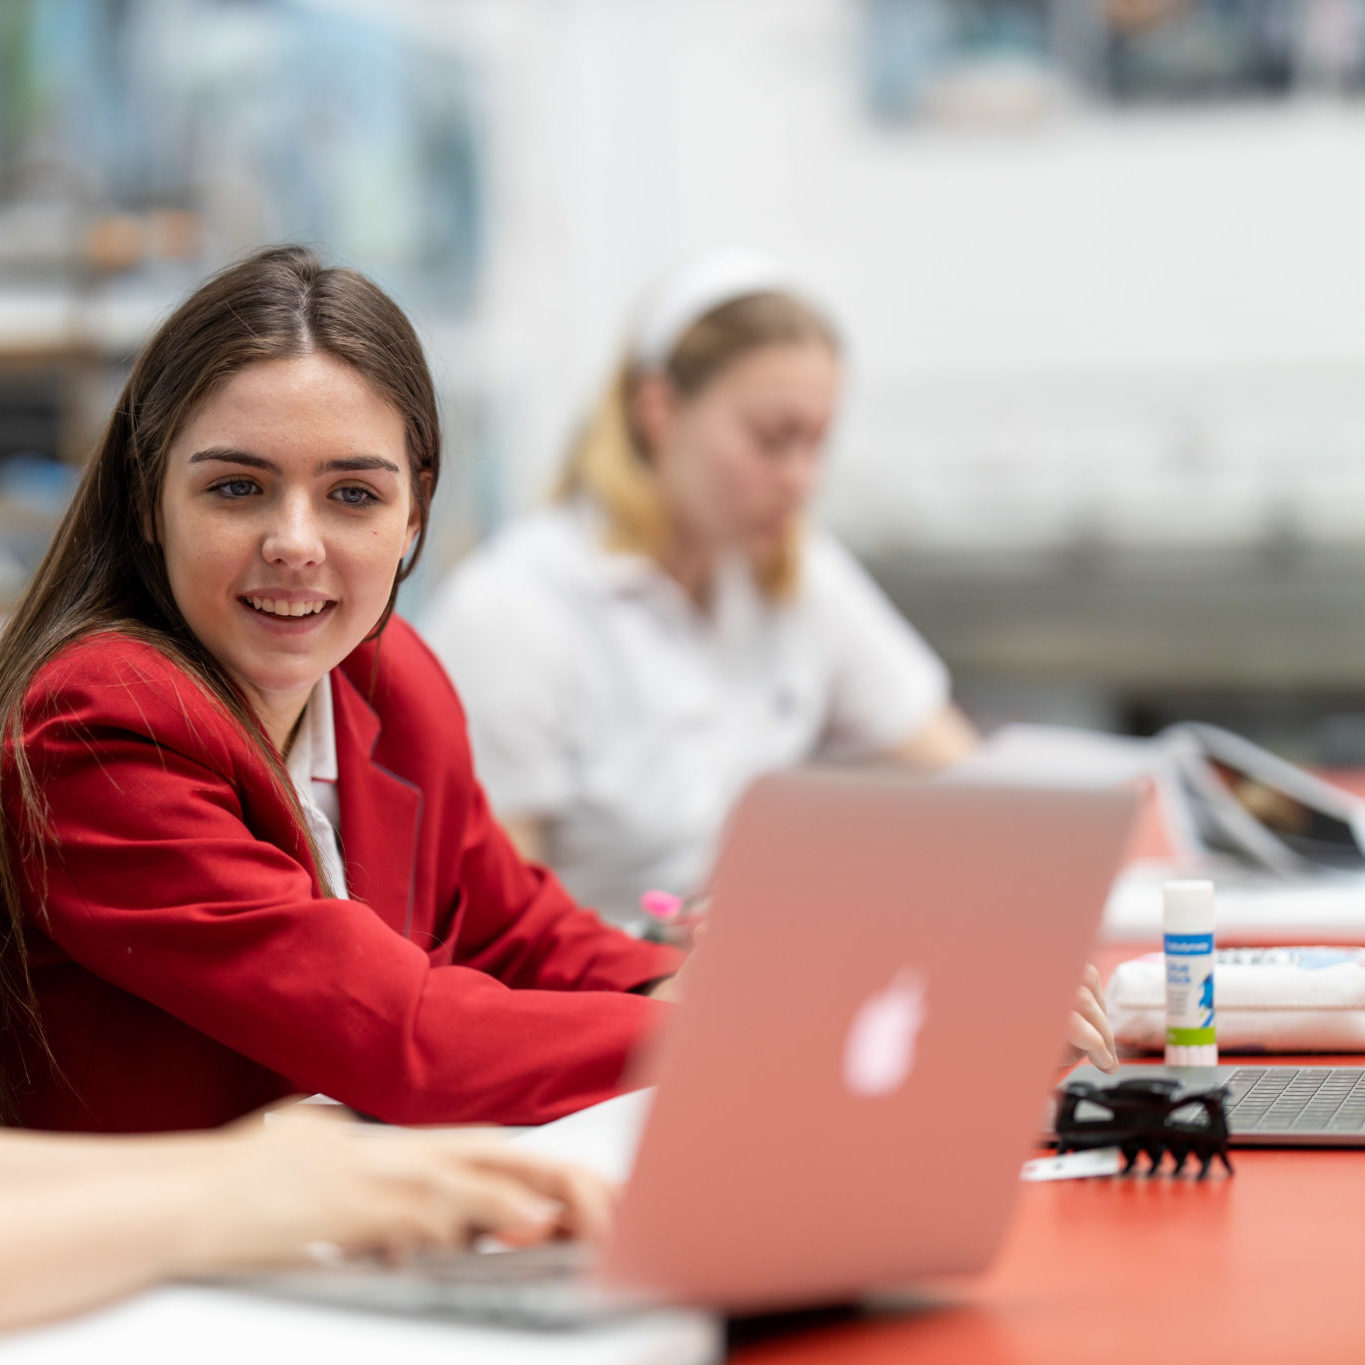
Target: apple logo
879, 1051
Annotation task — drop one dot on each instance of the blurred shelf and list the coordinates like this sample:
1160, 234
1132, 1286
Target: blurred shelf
1147, 623
54, 322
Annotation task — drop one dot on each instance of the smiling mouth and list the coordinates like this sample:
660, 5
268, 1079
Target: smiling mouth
269, 606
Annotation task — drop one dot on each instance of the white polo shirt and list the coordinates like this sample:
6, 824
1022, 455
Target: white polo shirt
604, 702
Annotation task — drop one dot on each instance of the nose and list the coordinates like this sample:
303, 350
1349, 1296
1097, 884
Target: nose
293, 537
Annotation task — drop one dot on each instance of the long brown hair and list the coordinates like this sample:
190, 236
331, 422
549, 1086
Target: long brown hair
611, 462
104, 569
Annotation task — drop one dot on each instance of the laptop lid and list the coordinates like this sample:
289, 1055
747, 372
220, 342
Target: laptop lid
872, 1022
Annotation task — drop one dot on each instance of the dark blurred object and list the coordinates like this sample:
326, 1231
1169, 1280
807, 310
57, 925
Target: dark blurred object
1147, 1115
30, 413
1169, 50
920, 55
1316, 730
1200, 49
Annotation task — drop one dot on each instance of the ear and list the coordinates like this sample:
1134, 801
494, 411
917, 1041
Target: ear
654, 410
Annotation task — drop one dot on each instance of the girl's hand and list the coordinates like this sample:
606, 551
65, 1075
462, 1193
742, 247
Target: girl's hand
265, 1192
672, 988
1089, 1034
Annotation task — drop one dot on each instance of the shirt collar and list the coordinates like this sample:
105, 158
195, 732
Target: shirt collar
617, 571
313, 755
737, 597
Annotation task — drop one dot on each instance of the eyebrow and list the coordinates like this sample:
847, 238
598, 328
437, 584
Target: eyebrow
346, 464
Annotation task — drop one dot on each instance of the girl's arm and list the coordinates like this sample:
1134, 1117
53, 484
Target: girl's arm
168, 870
97, 1218
946, 738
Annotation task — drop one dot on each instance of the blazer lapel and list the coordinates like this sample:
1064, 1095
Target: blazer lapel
380, 813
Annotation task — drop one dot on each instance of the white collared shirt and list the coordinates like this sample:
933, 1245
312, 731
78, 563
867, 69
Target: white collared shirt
604, 702
312, 767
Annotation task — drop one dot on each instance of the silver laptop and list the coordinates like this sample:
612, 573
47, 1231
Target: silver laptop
1274, 1106
846, 1096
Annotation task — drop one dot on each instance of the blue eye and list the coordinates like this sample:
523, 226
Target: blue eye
232, 489
353, 495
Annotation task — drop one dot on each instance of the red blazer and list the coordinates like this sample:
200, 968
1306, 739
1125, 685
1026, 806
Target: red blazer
188, 968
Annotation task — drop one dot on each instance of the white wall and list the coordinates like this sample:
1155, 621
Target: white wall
1141, 325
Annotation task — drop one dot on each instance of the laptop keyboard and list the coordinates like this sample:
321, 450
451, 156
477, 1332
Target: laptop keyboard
544, 1286
540, 1287
1289, 1099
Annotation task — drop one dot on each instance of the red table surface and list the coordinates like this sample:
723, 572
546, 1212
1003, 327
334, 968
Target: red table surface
1264, 1267
1268, 1266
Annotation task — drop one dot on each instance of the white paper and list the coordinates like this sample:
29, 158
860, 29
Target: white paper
604, 1136
225, 1327
1074, 1165
1059, 756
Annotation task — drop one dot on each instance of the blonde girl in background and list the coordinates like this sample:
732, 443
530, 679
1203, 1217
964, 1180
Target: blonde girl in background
671, 626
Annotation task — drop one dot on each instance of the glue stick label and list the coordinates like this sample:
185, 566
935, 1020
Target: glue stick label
1189, 990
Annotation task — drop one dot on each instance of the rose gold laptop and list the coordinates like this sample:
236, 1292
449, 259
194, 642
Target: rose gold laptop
872, 1023
846, 1095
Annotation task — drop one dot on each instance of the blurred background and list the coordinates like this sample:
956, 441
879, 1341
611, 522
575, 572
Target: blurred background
1100, 265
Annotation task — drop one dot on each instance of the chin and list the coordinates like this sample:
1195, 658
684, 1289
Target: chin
766, 541
280, 676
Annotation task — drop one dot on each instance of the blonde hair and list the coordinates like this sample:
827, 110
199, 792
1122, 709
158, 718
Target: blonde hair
610, 461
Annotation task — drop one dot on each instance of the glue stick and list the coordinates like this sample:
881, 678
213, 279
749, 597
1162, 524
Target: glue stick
1187, 926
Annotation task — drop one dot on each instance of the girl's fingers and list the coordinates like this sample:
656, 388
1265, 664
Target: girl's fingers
478, 1200
1083, 1037
1091, 1042
585, 1198
1091, 979
1090, 1007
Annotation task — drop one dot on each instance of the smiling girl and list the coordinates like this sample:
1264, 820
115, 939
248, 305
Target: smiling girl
245, 852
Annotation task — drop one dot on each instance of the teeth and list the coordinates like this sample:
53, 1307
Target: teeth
281, 608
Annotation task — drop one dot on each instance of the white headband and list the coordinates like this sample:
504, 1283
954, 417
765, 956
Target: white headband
691, 292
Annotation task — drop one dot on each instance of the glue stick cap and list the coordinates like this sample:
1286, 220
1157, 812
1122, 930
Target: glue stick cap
1187, 908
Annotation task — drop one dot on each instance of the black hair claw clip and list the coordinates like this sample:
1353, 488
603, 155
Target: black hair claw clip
1152, 1115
